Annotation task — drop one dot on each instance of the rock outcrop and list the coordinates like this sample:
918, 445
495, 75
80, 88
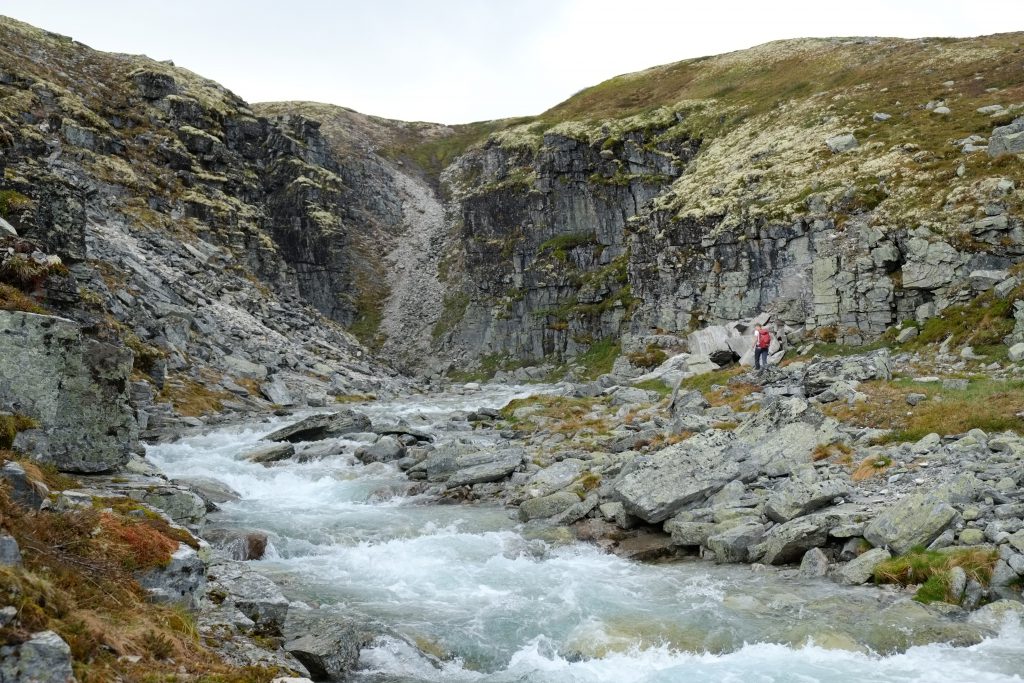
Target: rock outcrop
75, 388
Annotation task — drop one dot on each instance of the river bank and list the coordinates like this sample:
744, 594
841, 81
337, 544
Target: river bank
497, 599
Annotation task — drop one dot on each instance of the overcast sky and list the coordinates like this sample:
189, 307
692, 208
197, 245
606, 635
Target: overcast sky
456, 61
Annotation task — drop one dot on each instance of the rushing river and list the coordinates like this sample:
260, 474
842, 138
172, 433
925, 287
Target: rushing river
507, 603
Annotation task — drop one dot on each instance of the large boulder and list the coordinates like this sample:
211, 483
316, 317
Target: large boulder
862, 567
734, 544
319, 427
796, 498
75, 387
914, 521
657, 486
494, 469
43, 658
1008, 139
441, 464
547, 506
254, 595
782, 436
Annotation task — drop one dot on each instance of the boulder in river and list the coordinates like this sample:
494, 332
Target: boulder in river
325, 426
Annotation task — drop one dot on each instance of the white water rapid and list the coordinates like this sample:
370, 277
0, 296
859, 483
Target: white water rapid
508, 603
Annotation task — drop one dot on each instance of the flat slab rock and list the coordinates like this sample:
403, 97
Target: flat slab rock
319, 427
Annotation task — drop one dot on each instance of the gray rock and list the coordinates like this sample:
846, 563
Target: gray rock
254, 595
23, 490
860, 569
814, 564
1002, 289
319, 427
328, 643
796, 498
547, 506
906, 334
182, 581
787, 542
238, 544
7, 228
76, 387
386, 449
1007, 139
733, 545
631, 395
659, 485
913, 399
495, 468
689, 533
43, 658
996, 614
916, 520
269, 454
1016, 352
841, 143
212, 491
880, 116
10, 553
241, 367
277, 392
554, 478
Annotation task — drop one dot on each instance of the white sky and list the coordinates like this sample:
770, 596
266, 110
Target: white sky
456, 61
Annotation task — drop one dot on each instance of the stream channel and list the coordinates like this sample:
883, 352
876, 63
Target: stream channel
508, 603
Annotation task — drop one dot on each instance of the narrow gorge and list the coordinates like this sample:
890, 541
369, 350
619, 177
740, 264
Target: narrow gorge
291, 392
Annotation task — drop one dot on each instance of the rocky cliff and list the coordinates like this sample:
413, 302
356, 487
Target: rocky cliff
156, 210
845, 185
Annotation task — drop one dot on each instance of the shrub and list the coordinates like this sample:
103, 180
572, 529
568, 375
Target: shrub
649, 358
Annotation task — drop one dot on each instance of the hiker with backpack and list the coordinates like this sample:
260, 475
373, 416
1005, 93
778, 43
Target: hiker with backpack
762, 341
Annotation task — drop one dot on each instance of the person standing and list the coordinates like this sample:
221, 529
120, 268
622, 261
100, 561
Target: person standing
762, 341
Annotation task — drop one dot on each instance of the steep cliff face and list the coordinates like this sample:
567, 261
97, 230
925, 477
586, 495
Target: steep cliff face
226, 248
844, 185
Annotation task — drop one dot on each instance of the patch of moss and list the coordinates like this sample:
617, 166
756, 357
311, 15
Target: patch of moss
10, 425
454, 309
12, 201
930, 569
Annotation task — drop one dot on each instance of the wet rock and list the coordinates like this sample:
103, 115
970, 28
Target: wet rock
788, 542
254, 595
547, 506
386, 449
916, 520
815, 564
733, 545
996, 614
270, 454
212, 491
181, 582
76, 387
319, 427
645, 547
44, 658
238, 544
327, 643
860, 569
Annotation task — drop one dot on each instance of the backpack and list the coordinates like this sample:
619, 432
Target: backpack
764, 339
